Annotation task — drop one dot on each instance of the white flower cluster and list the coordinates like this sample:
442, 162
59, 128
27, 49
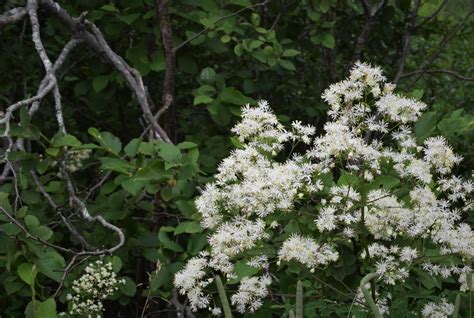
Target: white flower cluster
391, 186
307, 252
96, 284
392, 263
190, 281
438, 310
75, 159
250, 293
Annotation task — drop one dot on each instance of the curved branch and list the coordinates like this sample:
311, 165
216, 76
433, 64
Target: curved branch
444, 71
12, 16
97, 42
410, 27
371, 14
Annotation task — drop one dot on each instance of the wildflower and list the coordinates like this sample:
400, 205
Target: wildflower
96, 284
250, 293
438, 310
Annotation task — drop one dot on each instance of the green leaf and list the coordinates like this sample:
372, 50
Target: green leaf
31, 221
169, 152
100, 82
27, 272
130, 18
238, 50
186, 145
157, 62
115, 164
287, 65
47, 309
51, 264
324, 5
202, 99
290, 53
225, 39
167, 243
132, 147
328, 40
188, 227
109, 142
129, 288
132, 186
62, 140
116, 263
196, 243
425, 125
234, 96
208, 75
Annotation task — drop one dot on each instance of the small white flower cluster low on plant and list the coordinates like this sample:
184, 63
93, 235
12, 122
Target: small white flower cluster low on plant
366, 184
98, 282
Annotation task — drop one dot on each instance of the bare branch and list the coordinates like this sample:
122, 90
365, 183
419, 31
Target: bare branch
410, 26
97, 42
11, 16
428, 19
167, 39
444, 71
31, 236
441, 47
195, 36
371, 14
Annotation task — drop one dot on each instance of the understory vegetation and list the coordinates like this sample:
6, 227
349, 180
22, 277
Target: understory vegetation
236, 158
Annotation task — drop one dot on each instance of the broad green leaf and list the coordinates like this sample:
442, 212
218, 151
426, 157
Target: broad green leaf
129, 18
202, 99
133, 186
65, 140
31, 221
109, 142
132, 147
129, 288
186, 145
287, 65
47, 309
169, 152
115, 164
234, 96
425, 125
188, 227
27, 272
290, 53
100, 82
324, 5
208, 75
328, 40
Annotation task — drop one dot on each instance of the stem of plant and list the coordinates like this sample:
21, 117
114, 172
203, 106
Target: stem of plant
457, 303
299, 299
223, 297
368, 297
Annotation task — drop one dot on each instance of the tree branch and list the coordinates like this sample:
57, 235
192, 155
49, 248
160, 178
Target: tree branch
97, 42
444, 71
410, 26
11, 16
441, 46
371, 14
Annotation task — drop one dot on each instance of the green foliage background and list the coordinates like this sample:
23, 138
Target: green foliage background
229, 53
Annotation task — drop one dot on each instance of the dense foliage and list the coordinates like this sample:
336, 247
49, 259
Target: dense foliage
68, 192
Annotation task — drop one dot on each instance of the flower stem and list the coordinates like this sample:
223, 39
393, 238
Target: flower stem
223, 298
368, 297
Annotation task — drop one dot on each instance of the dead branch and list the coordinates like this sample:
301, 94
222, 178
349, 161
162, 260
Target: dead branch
371, 13
12, 16
441, 46
444, 71
97, 42
409, 28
